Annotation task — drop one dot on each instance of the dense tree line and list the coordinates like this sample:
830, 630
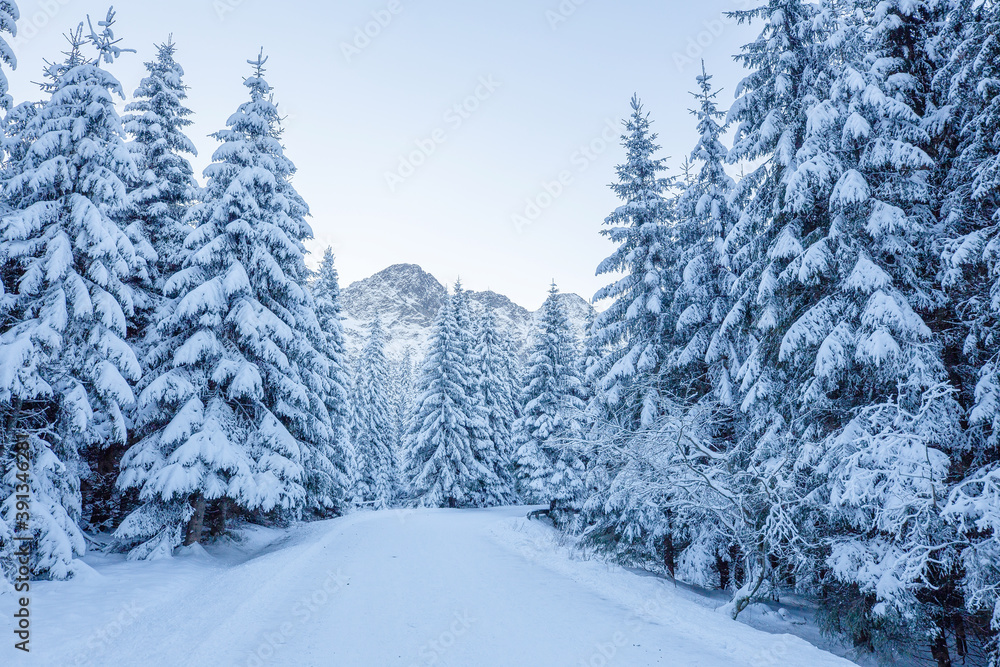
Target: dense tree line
166, 353
794, 384
796, 379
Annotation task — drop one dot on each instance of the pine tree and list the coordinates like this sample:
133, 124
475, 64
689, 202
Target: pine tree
633, 509
753, 494
232, 415
67, 297
157, 201
328, 487
443, 465
156, 120
497, 398
401, 405
634, 326
857, 344
549, 432
703, 361
373, 426
789, 73
971, 274
9, 14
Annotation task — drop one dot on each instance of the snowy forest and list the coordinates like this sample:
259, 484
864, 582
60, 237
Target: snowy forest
791, 383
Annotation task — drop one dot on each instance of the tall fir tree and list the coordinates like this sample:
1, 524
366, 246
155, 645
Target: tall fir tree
629, 511
497, 398
156, 120
789, 73
157, 202
67, 297
628, 375
706, 215
443, 462
860, 361
635, 325
970, 82
232, 416
330, 485
403, 386
377, 479
548, 435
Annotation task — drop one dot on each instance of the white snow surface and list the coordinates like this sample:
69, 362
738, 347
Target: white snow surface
395, 587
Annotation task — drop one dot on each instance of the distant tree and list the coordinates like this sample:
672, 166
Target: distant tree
331, 475
497, 398
549, 432
376, 480
444, 467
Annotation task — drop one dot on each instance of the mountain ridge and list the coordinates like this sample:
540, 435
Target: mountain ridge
406, 298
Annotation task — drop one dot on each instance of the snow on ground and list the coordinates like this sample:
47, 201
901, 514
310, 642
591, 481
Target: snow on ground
401, 587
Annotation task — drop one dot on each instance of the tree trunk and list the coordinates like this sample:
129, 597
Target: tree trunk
736, 564
668, 554
217, 516
723, 566
452, 502
961, 640
749, 589
196, 522
939, 647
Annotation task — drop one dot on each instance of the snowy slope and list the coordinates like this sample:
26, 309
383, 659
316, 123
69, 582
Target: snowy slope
403, 587
407, 298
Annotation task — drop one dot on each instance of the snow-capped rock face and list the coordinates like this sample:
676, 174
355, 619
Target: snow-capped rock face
407, 299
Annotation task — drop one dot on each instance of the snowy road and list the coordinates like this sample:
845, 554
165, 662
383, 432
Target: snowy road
430, 587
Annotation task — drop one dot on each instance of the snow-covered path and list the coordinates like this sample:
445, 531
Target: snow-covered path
428, 587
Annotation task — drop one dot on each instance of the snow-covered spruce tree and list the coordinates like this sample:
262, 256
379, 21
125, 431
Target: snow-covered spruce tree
483, 443
9, 275
497, 398
706, 215
852, 340
636, 520
634, 327
548, 434
789, 73
377, 476
703, 358
402, 383
331, 485
158, 199
231, 415
442, 466
625, 379
156, 120
66, 297
9, 14
971, 268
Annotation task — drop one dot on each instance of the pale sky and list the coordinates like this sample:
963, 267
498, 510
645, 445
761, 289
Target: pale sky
483, 103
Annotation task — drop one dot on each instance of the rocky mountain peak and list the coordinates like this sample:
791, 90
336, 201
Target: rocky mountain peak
406, 299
